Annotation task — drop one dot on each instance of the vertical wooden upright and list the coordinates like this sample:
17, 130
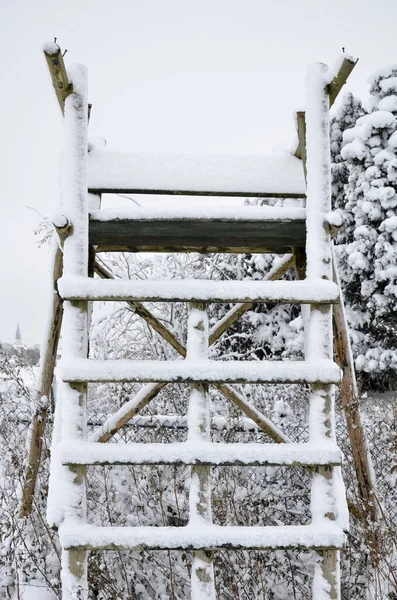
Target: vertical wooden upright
72, 397
319, 328
199, 430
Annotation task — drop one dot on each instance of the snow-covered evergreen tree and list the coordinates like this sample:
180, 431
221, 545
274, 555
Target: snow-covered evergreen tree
370, 276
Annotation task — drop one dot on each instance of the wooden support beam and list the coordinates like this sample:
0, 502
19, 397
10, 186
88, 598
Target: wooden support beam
301, 149
332, 89
143, 312
239, 309
44, 383
62, 86
337, 83
368, 512
115, 423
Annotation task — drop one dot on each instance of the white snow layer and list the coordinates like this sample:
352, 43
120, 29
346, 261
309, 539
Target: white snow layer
87, 370
202, 212
254, 174
200, 452
300, 292
319, 535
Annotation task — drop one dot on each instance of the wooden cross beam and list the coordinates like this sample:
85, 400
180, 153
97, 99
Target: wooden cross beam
148, 392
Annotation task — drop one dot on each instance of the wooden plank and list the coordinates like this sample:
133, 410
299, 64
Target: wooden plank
202, 192
199, 290
62, 86
314, 371
206, 537
201, 451
259, 175
200, 235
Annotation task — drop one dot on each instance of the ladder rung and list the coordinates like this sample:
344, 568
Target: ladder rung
202, 229
299, 292
320, 536
211, 371
199, 175
201, 453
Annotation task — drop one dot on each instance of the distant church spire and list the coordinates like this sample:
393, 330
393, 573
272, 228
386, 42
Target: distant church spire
18, 338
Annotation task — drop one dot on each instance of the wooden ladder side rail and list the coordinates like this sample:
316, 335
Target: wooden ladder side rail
349, 392
325, 503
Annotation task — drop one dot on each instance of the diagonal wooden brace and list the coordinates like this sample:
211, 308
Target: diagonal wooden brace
148, 392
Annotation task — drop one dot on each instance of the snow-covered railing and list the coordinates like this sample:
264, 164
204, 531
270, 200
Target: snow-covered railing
182, 290
211, 371
201, 453
231, 175
211, 537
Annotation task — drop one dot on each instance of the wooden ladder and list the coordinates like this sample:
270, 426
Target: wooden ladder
275, 230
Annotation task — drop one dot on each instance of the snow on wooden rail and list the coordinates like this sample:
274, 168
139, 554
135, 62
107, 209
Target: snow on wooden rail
324, 535
182, 290
200, 453
231, 175
202, 213
210, 371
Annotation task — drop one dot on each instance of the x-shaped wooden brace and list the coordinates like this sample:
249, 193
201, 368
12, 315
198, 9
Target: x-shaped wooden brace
112, 425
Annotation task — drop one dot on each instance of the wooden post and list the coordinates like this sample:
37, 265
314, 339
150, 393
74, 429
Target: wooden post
202, 576
43, 387
62, 86
72, 397
319, 328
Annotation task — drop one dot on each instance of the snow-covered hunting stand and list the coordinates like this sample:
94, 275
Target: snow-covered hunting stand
302, 233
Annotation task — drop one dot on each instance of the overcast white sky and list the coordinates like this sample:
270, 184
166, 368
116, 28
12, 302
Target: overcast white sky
164, 75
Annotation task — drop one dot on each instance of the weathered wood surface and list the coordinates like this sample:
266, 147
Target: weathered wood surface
47, 365
62, 86
332, 89
199, 235
368, 512
337, 83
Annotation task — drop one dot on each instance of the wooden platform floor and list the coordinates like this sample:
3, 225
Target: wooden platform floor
197, 235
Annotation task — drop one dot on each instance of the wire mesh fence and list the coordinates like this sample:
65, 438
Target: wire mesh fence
157, 496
